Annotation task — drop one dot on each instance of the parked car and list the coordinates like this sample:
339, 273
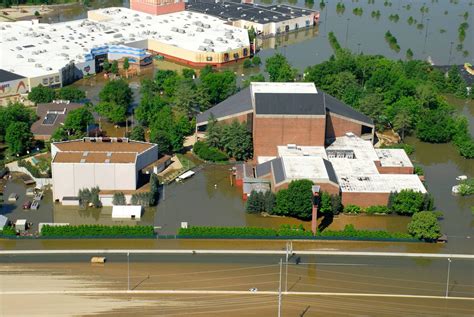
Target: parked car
27, 204
13, 197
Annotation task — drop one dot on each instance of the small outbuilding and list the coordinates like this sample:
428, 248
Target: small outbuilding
3, 222
127, 212
20, 225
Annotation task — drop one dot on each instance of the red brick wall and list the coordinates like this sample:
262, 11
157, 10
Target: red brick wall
329, 188
242, 118
268, 133
156, 9
394, 169
337, 126
364, 199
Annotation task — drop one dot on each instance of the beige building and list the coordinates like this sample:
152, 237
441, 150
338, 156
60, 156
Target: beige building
112, 164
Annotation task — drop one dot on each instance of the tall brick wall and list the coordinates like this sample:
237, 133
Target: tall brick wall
337, 126
269, 132
364, 199
156, 8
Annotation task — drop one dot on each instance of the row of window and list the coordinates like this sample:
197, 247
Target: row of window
245, 52
50, 80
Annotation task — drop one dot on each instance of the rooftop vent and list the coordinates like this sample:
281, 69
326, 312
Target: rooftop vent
83, 160
291, 146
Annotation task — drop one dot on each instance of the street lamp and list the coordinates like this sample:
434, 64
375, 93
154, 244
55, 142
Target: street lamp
347, 30
447, 279
426, 34
450, 52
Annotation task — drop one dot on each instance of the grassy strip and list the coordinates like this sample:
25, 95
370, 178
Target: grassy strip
96, 231
286, 231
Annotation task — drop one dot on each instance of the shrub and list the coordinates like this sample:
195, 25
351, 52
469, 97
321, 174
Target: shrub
424, 226
89, 196
296, 201
8, 231
96, 231
287, 231
209, 153
466, 187
408, 202
143, 199
247, 63
119, 199
419, 170
352, 209
259, 202
377, 209
256, 60
34, 170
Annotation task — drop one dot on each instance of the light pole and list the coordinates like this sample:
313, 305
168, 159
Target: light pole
326, 19
450, 52
426, 34
447, 279
128, 271
279, 291
358, 48
347, 30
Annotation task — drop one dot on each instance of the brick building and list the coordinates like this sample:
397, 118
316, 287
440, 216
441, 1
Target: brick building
302, 133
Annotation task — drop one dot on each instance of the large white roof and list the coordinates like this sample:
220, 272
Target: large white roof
305, 167
381, 183
32, 49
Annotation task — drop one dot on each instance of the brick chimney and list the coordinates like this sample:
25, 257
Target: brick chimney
316, 201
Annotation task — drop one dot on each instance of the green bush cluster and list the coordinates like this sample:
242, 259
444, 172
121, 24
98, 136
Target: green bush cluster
425, 226
34, 170
329, 204
296, 200
352, 209
96, 231
260, 202
209, 153
392, 41
409, 202
142, 199
89, 196
119, 199
466, 187
334, 42
377, 209
287, 231
234, 139
8, 231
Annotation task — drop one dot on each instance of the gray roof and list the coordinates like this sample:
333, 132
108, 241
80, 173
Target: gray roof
330, 170
289, 104
278, 170
8, 76
235, 104
263, 169
338, 107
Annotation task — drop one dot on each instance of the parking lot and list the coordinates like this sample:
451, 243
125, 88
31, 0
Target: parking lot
14, 210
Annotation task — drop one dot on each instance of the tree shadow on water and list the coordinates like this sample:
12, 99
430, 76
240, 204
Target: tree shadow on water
326, 221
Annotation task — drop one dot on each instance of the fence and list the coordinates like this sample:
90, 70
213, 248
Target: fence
40, 182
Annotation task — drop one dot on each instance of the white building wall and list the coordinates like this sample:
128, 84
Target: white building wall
125, 177
105, 175
147, 157
63, 184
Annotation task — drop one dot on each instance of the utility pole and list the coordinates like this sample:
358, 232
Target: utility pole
426, 34
447, 279
279, 291
286, 267
450, 51
128, 271
326, 19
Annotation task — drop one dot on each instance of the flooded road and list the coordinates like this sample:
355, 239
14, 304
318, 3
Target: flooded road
234, 273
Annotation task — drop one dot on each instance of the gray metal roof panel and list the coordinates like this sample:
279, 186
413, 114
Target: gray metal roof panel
278, 170
338, 107
7, 76
237, 103
330, 170
263, 169
289, 104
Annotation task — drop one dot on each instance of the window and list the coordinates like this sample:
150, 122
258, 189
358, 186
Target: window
56, 79
209, 59
226, 57
307, 22
45, 81
236, 55
245, 52
51, 80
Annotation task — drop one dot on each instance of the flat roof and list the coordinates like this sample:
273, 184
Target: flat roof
94, 157
381, 183
85, 145
393, 158
305, 167
297, 150
363, 150
33, 49
254, 12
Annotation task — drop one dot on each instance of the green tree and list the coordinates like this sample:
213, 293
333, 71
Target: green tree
106, 66
213, 132
296, 201
75, 125
149, 105
111, 111
325, 205
219, 85
154, 189
256, 60
424, 226
114, 68
18, 137
119, 199
454, 80
138, 133
126, 66
14, 112
269, 201
190, 99
188, 73
435, 126
41, 94
252, 34
372, 106
247, 63
403, 123
117, 92
253, 78
70, 93
167, 130
279, 69
236, 141
407, 202
255, 202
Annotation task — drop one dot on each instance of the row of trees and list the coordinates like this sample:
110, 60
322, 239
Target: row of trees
42, 94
